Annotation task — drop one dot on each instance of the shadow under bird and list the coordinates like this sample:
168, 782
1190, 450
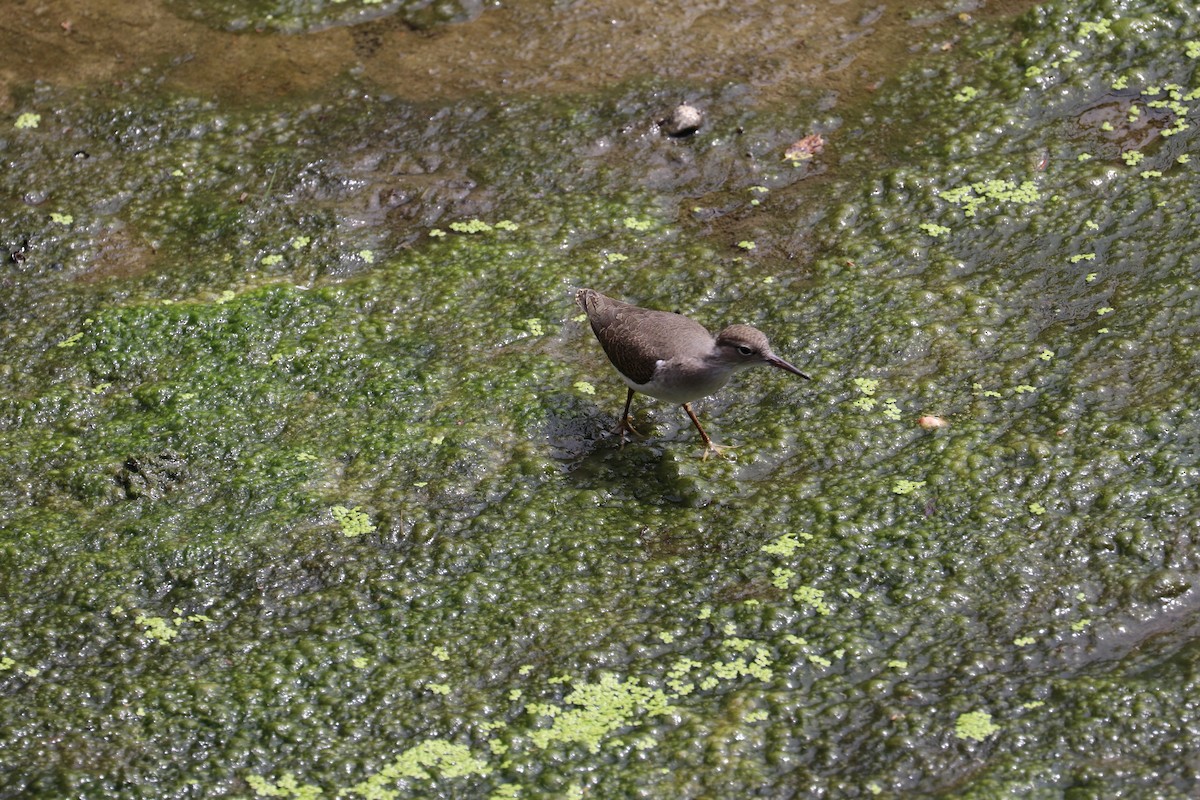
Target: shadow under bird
671, 357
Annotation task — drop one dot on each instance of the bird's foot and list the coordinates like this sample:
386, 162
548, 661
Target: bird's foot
709, 447
719, 450
626, 426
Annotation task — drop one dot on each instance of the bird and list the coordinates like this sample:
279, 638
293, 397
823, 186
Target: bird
670, 357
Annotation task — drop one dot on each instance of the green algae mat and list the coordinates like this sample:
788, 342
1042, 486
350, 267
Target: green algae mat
310, 489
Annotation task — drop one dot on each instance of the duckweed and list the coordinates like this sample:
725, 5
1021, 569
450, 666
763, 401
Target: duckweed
976, 725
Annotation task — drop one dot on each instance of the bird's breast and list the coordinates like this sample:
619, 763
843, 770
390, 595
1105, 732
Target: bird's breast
682, 381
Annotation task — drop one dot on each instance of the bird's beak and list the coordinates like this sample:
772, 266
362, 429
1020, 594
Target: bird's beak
776, 361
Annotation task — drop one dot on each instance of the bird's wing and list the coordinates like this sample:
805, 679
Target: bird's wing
638, 338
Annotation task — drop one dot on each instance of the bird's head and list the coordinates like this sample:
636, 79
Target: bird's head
742, 346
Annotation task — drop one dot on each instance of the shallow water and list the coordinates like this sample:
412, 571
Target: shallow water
311, 485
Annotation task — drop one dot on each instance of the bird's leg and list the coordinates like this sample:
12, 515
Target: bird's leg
626, 423
709, 447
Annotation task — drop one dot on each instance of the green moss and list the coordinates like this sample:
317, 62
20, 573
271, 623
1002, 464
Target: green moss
184, 450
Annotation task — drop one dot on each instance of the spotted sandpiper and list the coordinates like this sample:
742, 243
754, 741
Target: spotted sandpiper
671, 357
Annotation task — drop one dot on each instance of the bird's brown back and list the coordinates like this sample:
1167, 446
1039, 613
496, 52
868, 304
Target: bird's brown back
636, 338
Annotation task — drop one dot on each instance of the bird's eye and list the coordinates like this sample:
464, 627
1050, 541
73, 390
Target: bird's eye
745, 350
